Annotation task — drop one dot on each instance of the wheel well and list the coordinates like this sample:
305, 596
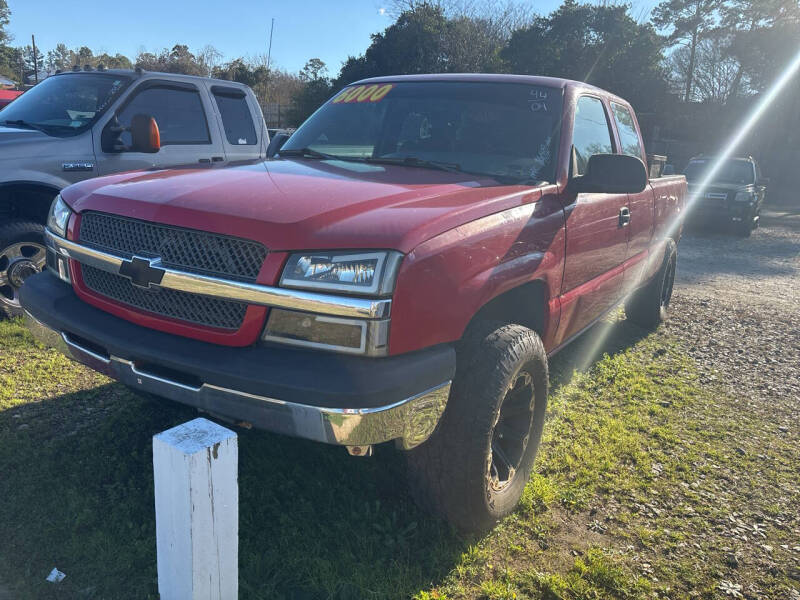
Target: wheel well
29, 201
525, 305
677, 234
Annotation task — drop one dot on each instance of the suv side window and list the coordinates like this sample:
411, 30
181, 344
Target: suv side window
628, 136
591, 133
237, 119
178, 112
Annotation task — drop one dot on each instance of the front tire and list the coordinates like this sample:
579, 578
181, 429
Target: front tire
22, 254
474, 467
744, 228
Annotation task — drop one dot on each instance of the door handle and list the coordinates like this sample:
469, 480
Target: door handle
624, 216
205, 160
217, 158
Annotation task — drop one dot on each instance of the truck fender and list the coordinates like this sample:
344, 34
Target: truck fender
31, 177
447, 281
27, 198
528, 303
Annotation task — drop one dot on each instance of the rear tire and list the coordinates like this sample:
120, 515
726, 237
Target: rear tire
22, 253
744, 228
647, 306
474, 467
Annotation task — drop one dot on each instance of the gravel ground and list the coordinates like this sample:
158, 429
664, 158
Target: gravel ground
735, 306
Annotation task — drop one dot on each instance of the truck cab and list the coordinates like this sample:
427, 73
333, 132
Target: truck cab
76, 125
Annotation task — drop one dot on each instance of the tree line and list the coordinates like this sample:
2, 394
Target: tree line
690, 70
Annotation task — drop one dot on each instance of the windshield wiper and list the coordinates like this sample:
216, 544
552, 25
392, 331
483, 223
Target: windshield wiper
34, 126
450, 167
413, 161
310, 152
21, 123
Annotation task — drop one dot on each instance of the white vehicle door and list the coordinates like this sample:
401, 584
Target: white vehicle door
189, 131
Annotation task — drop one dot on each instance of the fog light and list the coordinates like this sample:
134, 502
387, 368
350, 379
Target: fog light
58, 265
355, 336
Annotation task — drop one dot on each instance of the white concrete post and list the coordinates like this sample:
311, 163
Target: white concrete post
195, 468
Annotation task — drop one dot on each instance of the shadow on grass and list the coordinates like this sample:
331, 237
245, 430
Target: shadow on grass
314, 522
77, 494
609, 336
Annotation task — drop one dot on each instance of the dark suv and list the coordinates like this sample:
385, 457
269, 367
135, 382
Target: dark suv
734, 194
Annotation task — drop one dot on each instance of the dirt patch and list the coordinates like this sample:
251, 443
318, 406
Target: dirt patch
736, 310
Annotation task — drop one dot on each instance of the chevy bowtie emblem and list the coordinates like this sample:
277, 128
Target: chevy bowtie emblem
141, 271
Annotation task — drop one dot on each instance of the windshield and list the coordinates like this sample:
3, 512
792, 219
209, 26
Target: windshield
499, 129
64, 104
731, 171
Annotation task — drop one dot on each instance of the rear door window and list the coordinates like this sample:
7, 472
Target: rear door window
237, 120
178, 112
628, 136
591, 134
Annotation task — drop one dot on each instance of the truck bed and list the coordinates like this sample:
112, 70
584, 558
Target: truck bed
670, 195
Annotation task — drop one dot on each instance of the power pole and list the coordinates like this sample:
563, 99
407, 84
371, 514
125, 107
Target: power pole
269, 62
35, 59
269, 50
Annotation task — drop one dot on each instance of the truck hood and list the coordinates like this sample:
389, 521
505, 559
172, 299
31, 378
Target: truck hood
304, 204
13, 136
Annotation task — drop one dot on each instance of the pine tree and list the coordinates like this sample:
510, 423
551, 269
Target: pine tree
691, 22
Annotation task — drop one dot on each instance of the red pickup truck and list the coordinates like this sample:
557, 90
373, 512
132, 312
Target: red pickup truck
401, 269
8, 96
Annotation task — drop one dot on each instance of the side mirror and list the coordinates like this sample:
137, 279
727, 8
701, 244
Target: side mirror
276, 143
764, 181
668, 170
611, 174
145, 136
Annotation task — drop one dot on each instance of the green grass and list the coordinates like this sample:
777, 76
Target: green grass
639, 492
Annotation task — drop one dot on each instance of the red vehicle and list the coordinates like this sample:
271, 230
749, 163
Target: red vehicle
401, 270
8, 96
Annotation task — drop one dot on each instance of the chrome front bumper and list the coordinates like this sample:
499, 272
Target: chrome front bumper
411, 421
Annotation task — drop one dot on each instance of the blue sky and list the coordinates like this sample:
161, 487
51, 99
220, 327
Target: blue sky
330, 30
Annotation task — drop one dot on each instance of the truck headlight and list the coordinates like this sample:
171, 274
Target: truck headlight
744, 197
368, 273
59, 217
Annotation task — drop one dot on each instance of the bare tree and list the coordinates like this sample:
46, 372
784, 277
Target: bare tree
209, 57
689, 22
715, 73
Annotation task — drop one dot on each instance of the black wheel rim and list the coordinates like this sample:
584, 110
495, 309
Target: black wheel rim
511, 432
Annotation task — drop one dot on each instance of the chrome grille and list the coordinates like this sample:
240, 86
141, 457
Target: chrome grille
179, 248
211, 312
716, 199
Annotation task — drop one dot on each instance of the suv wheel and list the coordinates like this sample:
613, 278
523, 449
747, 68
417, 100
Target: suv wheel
22, 254
473, 469
744, 228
